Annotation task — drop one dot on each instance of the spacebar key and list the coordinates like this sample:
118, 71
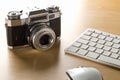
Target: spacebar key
109, 60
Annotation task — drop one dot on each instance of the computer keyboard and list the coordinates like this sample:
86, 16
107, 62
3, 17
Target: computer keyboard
98, 46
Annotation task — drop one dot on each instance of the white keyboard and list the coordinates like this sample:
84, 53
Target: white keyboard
98, 46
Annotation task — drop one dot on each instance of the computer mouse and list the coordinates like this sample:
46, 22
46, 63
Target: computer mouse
84, 73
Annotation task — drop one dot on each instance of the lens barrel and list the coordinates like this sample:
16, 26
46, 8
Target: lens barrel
42, 37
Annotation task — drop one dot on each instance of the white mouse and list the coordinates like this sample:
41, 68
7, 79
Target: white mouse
84, 73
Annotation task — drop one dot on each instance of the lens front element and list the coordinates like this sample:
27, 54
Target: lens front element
44, 40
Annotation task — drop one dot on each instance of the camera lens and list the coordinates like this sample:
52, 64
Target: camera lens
42, 38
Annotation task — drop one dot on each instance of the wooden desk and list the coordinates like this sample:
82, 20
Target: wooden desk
77, 15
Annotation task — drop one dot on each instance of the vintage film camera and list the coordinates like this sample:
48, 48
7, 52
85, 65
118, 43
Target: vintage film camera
40, 29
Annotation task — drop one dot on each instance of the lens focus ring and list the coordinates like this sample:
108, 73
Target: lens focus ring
44, 39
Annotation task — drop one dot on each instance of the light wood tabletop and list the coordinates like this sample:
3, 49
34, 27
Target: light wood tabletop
77, 15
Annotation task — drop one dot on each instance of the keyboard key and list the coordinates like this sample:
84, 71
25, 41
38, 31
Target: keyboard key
91, 30
100, 51
94, 39
82, 41
109, 60
116, 46
116, 41
86, 37
101, 41
88, 33
94, 35
76, 44
92, 55
102, 37
72, 49
99, 46
92, 44
91, 48
114, 50
106, 53
113, 55
106, 48
98, 32
106, 34
84, 46
82, 52
109, 44
113, 36
109, 38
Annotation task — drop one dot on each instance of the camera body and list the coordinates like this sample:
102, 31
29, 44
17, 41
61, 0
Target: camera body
39, 29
